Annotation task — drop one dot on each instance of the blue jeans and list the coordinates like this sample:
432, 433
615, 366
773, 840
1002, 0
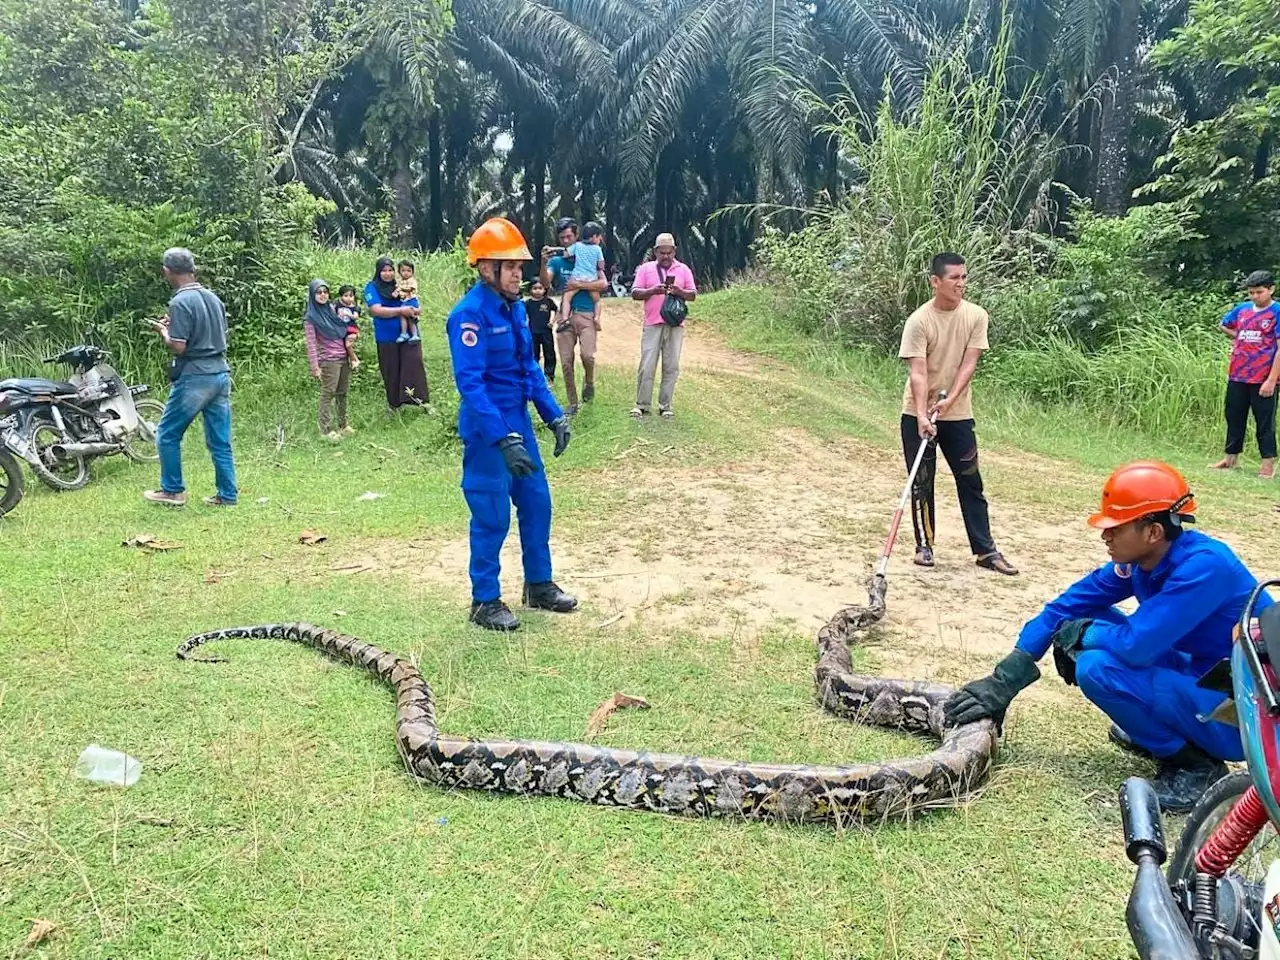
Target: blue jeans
198, 393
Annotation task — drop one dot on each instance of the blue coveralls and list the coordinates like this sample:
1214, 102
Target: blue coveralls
496, 376
1141, 669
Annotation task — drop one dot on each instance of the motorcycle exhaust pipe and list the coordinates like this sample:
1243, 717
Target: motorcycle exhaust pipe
1157, 928
66, 451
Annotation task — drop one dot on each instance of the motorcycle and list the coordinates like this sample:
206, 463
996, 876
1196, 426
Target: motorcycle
1219, 898
12, 483
64, 424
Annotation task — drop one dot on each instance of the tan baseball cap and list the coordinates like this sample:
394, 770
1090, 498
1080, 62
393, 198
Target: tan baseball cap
664, 240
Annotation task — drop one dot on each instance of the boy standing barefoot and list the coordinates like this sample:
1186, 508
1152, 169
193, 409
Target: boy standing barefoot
1252, 376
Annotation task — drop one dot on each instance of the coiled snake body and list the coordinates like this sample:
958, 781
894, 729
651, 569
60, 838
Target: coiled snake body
689, 785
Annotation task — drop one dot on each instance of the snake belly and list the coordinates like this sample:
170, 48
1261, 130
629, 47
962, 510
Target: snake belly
684, 785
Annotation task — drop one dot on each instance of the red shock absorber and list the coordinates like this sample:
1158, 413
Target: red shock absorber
1235, 832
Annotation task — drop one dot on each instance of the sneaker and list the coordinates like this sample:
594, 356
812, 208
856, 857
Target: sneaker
668, 414
588, 393
923, 557
414, 338
216, 501
333, 436
403, 338
637, 412
167, 499
347, 431
573, 410
494, 615
997, 562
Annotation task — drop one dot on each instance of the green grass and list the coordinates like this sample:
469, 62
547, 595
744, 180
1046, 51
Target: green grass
273, 817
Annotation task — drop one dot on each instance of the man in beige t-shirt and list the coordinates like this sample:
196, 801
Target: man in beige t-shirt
941, 343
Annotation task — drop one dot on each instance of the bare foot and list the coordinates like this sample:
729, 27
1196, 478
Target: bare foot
1267, 470
1226, 463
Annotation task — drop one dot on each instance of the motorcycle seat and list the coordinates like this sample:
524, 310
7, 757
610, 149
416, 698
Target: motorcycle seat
59, 388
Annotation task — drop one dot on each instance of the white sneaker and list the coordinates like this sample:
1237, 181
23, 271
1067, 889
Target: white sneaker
333, 436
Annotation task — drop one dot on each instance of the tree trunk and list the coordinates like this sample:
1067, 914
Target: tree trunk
435, 219
540, 204
526, 200
1117, 113
402, 201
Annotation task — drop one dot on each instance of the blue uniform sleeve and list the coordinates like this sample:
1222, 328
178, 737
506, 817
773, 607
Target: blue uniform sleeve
469, 350
1192, 592
1231, 320
1087, 597
536, 387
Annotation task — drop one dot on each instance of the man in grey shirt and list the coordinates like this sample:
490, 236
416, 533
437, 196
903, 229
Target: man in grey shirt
195, 331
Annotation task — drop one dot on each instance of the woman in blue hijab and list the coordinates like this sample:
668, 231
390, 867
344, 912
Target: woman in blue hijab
400, 363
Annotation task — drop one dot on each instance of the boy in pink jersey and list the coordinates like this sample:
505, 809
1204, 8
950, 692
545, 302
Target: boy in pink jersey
1251, 379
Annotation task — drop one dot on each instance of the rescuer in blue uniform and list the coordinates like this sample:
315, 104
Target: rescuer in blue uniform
1140, 669
497, 376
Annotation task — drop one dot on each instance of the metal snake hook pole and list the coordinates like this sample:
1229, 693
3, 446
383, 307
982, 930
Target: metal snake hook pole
880, 580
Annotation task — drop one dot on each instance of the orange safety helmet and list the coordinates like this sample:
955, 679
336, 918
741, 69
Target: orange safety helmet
1139, 489
497, 239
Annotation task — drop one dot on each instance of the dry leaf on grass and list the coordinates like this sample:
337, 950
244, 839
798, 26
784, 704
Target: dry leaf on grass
353, 568
216, 576
611, 621
149, 541
600, 715
41, 930
310, 538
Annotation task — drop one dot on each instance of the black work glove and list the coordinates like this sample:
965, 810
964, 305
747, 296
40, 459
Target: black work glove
1070, 635
560, 427
1066, 664
518, 460
989, 698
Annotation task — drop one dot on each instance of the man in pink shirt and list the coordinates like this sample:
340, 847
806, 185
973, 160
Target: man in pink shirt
656, 280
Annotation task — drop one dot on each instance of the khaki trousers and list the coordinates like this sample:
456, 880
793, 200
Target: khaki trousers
659, 341
581, 333
335, 378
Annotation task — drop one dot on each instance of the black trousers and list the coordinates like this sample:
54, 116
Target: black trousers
545, 341
959, 445
1241, 398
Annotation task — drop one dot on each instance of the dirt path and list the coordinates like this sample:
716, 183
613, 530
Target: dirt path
791, 536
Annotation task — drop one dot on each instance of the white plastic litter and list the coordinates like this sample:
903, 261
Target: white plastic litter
100, 765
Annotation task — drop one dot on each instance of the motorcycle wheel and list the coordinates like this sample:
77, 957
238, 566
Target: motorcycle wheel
140, 447
1251, 866
12, 483
70, 473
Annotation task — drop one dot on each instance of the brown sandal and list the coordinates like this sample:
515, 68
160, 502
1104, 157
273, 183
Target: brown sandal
997, 562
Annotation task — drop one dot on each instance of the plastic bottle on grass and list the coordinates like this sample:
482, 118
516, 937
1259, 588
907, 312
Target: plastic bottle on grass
101, 765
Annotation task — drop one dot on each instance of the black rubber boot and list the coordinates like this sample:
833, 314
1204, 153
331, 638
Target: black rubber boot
494, 615
1122, 740
548, 596
1184, 777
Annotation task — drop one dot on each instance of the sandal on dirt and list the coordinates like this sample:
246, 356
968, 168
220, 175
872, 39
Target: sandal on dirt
997, 562
923, 557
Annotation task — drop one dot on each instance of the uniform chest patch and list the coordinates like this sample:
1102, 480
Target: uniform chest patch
1124, 570
469, 338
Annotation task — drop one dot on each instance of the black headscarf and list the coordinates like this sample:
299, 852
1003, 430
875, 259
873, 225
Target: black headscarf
323, 316
386, 289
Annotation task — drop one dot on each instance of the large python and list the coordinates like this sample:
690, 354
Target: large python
688, 785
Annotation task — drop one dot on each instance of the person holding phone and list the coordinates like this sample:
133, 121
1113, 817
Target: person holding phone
662, 277
195, 331
576, 331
